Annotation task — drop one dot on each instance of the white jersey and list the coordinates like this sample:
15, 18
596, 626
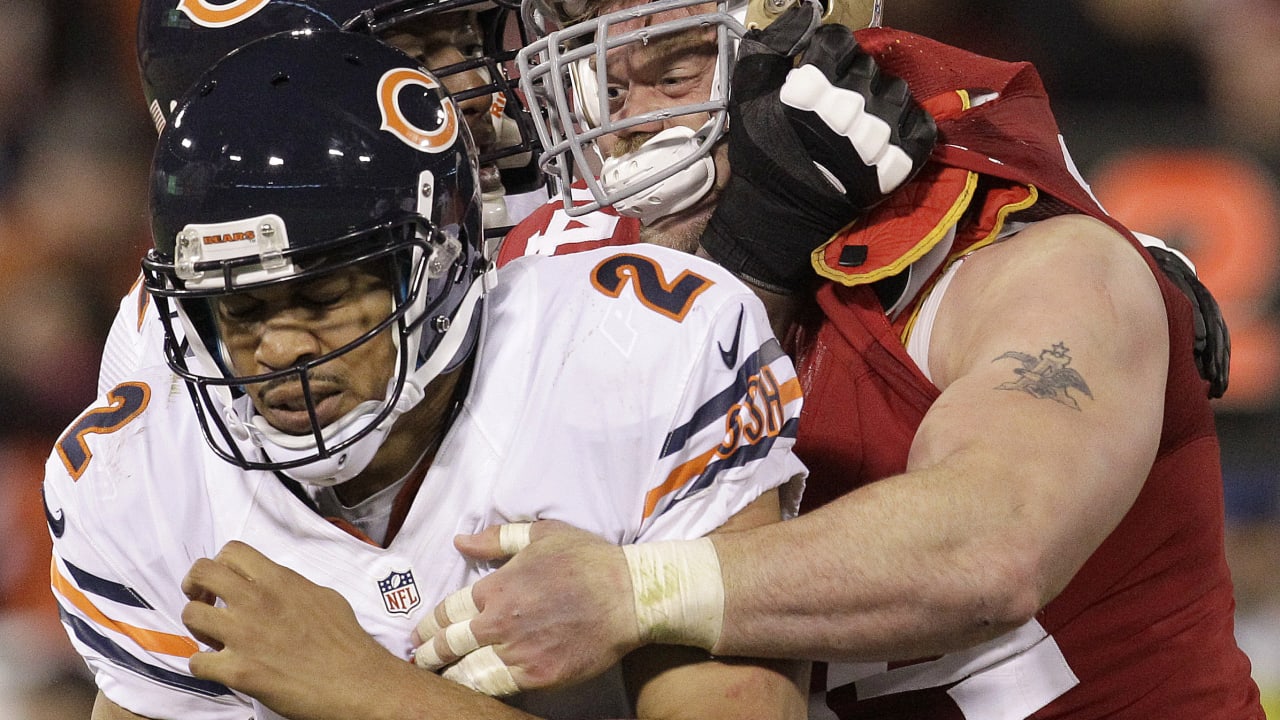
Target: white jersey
135, 341
634, 392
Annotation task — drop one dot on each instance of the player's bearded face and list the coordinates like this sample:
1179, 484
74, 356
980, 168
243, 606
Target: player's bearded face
278, 327
665, 72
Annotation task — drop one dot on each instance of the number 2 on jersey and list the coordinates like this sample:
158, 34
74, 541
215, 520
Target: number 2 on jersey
125, 402
672, 299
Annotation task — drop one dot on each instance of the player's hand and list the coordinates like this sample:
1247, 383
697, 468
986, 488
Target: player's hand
559, 611
811, 148
1213, 341
278, 637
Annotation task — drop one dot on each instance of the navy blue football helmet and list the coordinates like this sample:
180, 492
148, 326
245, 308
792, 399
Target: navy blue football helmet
300, 154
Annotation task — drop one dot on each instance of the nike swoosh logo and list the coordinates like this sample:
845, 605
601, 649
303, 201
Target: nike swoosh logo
730, 356
57, 525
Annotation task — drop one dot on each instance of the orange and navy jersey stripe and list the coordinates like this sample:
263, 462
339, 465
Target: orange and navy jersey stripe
751, 412
96, 599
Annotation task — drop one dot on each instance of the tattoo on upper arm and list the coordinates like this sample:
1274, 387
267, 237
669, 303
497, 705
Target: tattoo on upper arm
1046, 376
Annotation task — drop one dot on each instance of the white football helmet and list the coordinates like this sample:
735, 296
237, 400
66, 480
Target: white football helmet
559, 75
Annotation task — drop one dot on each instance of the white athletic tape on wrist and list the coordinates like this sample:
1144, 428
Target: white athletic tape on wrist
679, 591
483, 671
514, 537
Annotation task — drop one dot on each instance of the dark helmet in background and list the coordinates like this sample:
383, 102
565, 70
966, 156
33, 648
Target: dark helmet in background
179, 39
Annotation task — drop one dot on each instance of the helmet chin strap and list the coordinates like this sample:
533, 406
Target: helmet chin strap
350, 462
343, 466
670, 195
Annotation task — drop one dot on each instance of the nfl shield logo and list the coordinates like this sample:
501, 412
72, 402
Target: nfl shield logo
399, 592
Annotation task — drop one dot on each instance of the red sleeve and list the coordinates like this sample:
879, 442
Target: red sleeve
549, 230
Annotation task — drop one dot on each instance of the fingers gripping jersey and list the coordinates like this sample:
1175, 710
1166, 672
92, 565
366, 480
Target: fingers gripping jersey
635, 392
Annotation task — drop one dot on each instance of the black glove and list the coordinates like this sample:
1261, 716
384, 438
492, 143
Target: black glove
1213, 342
794, 181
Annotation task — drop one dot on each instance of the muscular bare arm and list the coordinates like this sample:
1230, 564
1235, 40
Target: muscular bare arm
1011, 483
1017, 474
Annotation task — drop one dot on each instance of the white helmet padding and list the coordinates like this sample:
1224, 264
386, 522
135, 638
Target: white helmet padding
677, 190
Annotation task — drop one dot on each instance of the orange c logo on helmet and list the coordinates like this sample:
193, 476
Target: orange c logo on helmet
203, 13
393, 120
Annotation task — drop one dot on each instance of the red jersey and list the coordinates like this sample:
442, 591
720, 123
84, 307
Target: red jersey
550, 231
1145, 628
